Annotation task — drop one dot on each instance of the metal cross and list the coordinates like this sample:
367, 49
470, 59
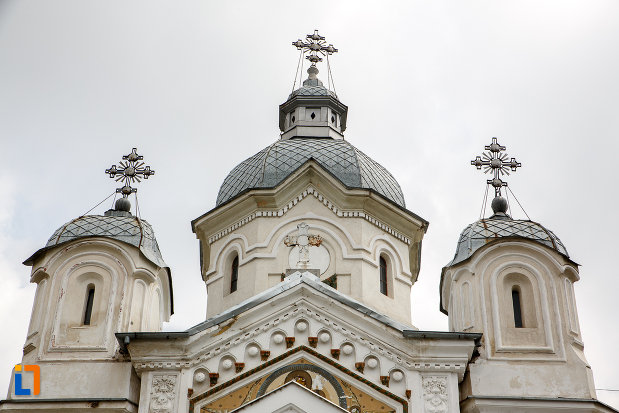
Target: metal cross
496, 162
303, 241
315, 45
129, 172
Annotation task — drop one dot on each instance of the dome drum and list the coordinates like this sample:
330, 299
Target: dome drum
316, 116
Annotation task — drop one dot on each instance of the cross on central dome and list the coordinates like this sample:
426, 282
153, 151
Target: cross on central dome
315, 45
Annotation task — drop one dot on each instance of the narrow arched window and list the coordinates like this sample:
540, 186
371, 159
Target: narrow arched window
383, 276
517, 308
234, 275
90, 299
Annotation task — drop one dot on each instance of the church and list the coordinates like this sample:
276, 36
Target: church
308, 257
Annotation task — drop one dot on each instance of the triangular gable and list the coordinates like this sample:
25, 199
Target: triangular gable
290, 398
290, 282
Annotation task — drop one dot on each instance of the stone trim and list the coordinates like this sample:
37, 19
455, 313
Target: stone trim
363, 340
326, 202
379, 388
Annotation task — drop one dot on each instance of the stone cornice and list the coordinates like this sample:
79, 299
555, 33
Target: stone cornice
309, 191
402, 358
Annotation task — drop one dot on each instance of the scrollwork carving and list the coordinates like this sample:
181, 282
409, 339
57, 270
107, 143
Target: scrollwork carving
162, 394
435, 394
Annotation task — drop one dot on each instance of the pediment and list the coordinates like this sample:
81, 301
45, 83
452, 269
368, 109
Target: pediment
290, 398
299, 379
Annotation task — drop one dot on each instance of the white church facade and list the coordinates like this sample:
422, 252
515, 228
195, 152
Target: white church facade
308, 258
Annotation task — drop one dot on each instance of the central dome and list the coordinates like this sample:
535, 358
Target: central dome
273, 164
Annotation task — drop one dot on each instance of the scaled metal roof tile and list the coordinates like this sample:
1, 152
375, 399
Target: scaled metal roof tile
272, 165
484, 231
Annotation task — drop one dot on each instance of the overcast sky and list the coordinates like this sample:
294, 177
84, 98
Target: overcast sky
195, 86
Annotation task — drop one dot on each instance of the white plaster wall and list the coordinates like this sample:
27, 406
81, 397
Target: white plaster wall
354, 244
543, 359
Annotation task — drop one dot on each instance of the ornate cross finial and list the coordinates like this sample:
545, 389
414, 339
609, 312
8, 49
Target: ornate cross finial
303, 241
496, 162
129, 172
316, 44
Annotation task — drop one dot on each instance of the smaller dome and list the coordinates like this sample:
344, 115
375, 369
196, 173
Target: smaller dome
128, 229
498, 226
312, 86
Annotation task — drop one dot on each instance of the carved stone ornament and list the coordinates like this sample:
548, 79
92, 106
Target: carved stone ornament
162, 394
435, 394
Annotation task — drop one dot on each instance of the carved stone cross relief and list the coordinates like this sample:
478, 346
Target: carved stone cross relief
303, 240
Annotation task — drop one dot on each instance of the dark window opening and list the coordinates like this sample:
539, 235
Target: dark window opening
332, 119
313, 115
517, 309
90, 299
292, 117
234, 276
383, 276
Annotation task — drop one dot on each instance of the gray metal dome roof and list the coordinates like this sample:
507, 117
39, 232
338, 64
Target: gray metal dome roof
128, 229
312, 87
312, 91
485, 231
273, 164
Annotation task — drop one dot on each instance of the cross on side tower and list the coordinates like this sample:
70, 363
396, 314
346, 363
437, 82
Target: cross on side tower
129, 172
315, 45
496, 162
303, 241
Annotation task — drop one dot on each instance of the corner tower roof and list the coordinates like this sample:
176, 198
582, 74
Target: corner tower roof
501, 226
128, 229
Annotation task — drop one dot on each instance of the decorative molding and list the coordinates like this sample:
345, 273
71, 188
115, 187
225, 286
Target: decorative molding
329, 361
162, 393
400, 359
289, 342
435, 394
360, 366
326, 202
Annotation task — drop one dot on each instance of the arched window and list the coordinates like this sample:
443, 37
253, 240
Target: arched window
383, 275
234, 275
517, 308
90, 299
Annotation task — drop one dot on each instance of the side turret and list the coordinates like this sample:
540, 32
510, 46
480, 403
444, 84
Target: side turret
98, 275
512, 280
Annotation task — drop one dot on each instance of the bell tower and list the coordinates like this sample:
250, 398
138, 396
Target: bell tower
98, 275
512, 280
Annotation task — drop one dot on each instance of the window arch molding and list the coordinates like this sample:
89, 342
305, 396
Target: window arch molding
108, 277
384, 256
467, 306
387, 250
227, 259
506, 274
383, 245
